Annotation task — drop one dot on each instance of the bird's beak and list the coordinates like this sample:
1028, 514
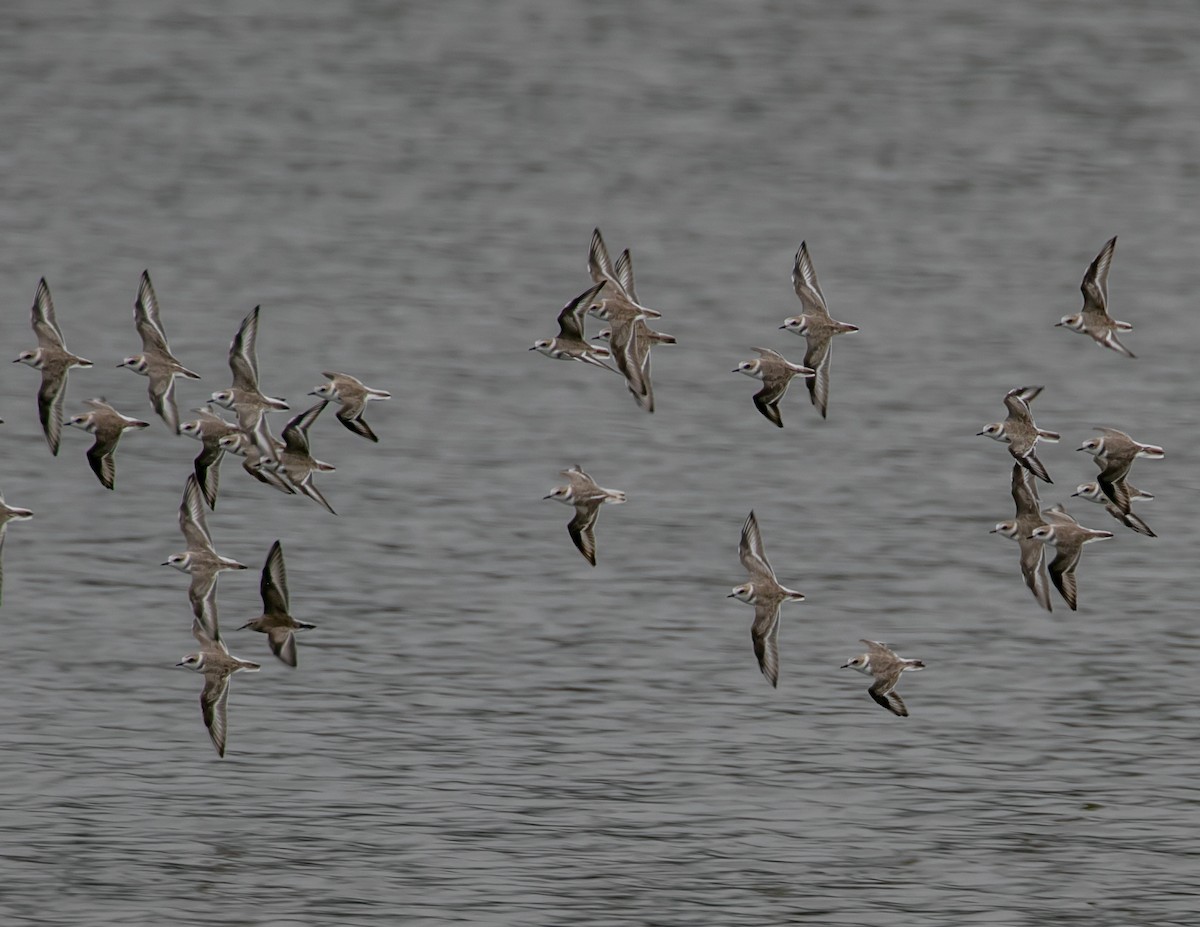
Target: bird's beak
534, 348
165, 563
978, 433
993, 531
1058, 324
120, 365
731, 596
1076, 493
180, 663
1081, 448
546, 497
735, 370
783, 326
843, 666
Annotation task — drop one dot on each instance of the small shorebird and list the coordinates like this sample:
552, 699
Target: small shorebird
619, 303
886, 666
816, 325
1068, 537
244, 397
217, 664
628, 335
570, 344
208, 429
1094, 319
295, 463
259, 465
53, 359
1033, 553
156, 362
200, 559
587, 496
10, 513
353, 395
275, 621
766, 595
776, 372
1115, 453
107, 424
1093, 493
1020, 432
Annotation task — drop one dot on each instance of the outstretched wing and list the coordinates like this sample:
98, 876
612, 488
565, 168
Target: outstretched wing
751, 551
1095, 281
273, 586
765, 635
146, 318
214, 702
191, 517
295, 432
45, 325
243, 356
817, 357
570, 317
804, 282
624, 271
1062, 572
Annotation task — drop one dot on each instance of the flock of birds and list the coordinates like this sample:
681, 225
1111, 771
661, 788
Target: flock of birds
284, 463
1114, 452
625, 346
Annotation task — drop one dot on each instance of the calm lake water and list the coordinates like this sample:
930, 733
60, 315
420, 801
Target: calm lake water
483, 729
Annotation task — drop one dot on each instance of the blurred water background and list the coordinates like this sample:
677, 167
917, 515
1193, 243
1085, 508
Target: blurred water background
483, 729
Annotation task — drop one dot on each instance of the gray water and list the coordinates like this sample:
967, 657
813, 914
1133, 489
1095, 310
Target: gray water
483, 729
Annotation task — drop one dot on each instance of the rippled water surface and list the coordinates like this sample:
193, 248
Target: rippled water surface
483, 729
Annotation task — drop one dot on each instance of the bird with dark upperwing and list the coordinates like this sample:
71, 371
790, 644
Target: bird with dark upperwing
217, 664
816, 325
1093, 319
1020, 432
776, 373
107, 425
1067, 536
208, 429
886, 666
587, 496
156, 362
352, 395
54, 361
766, 594
244, 397
276, 621
569, 343
1115, 453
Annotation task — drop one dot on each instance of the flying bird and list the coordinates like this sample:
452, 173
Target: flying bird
353, 395
276, 621
587, 496
776, 372
107, 424
816, 325
886, 666
765, 593
156, 362
53, 359
1094, 319
1020, 432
